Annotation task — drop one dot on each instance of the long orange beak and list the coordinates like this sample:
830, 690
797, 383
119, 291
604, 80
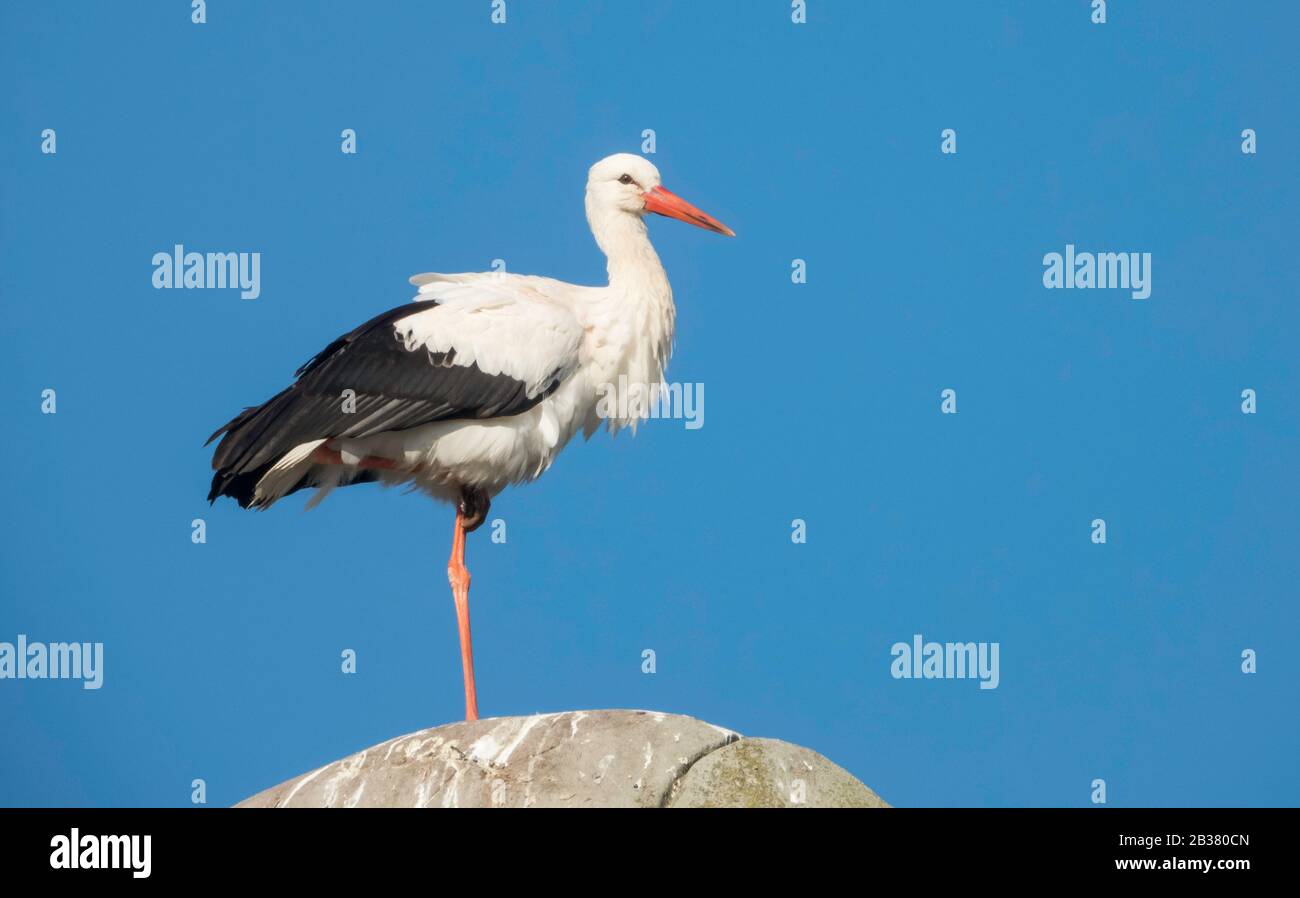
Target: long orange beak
662, 202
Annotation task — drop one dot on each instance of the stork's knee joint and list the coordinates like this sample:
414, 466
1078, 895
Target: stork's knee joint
458, 576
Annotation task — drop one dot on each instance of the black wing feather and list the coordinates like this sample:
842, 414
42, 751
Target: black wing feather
396, 389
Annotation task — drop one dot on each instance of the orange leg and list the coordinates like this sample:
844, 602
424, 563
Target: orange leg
458, 575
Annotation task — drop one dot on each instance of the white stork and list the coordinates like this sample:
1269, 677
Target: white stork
476, 385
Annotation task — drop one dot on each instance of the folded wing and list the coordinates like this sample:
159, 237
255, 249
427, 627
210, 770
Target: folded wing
471, 351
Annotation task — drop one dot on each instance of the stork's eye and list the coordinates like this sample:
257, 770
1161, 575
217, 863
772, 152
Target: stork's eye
625, 179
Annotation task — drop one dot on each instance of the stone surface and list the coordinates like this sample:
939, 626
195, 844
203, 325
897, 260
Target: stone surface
574, 759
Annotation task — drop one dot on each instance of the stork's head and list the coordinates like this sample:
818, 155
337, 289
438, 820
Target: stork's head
629, 184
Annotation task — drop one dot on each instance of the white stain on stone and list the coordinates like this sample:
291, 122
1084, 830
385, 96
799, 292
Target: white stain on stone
529, 800
731, 735
451, 788
504, 757
391, 743
415, 748
451, 793
307, 778
484, 748
347, 770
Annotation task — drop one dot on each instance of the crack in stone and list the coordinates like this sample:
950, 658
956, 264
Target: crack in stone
675, 786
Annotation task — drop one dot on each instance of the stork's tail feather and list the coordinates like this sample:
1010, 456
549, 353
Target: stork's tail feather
243, 487
240, 487
232, 474
264, 484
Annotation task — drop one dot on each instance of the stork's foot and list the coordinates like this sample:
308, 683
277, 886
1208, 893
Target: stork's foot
474, 505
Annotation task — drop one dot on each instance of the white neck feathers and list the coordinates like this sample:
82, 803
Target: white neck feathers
635, 317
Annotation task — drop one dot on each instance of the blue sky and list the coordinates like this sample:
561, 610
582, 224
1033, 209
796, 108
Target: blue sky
924, 272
